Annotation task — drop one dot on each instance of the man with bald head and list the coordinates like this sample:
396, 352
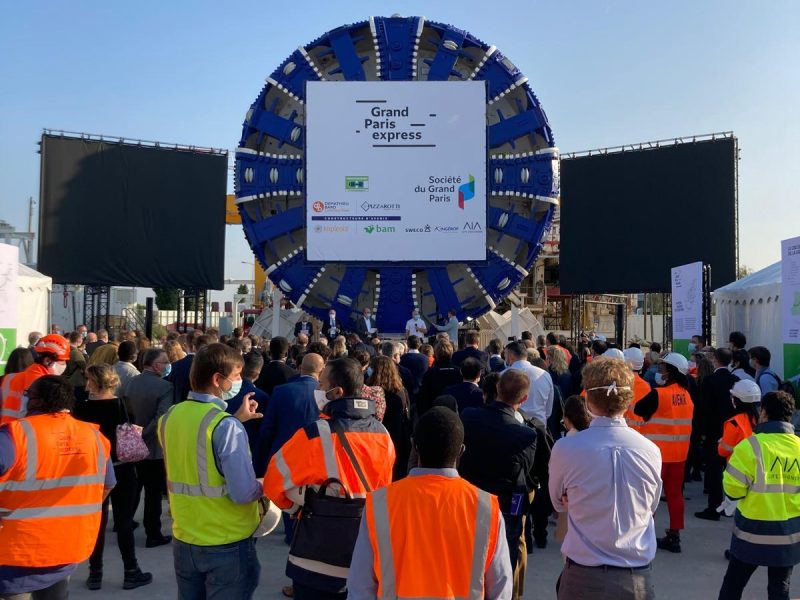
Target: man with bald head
291, 407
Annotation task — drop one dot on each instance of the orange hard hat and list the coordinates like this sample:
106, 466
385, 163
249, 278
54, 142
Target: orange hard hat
53, 344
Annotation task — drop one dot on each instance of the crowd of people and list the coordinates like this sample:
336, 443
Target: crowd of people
359, 440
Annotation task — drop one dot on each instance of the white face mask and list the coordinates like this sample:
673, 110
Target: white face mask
660, 379
57, 368
236, 387
753, 365
321, 398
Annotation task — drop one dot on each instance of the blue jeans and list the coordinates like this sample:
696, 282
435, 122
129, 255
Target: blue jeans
228, 572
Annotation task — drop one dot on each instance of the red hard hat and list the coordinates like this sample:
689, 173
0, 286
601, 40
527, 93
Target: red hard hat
54, 344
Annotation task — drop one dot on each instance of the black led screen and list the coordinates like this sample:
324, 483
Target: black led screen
627, 218
131, 215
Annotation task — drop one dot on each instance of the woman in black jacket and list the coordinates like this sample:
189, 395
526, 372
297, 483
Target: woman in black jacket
397, 418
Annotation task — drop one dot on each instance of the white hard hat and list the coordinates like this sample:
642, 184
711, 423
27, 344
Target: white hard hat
635, 358
676, 360
270, 516
614, 353
747, 391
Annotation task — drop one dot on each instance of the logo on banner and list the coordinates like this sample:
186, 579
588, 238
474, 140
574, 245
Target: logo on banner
368, 206
329, 207
472, 227
353, 183
466, 192
370, 229
318, 206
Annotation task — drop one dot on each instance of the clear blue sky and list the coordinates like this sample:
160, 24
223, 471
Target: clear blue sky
607, 73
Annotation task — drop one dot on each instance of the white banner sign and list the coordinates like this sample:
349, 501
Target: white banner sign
790, 290
396, 171
9, 269
687, 301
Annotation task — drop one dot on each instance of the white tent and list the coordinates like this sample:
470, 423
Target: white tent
752, 305
33, 303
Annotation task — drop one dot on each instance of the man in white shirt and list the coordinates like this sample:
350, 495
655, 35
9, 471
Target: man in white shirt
609, 477
415, 325
540, 397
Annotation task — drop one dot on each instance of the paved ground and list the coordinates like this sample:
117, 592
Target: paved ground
695, 574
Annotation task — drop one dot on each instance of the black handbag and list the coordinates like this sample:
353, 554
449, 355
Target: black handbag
328, 526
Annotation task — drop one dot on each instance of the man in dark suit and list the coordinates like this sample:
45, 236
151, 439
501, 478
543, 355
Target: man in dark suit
291, 407
331, 326
102, 340
712, 408
179, 375
471, 350
500, 452
253, 363
304, 326
414, 361
467, 393
365, 325
276, 371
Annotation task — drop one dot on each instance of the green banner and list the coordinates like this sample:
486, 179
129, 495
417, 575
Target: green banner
8, 341
791, 360
682, 347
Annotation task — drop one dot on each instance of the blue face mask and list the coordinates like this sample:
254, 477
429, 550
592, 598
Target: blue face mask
167, 370
236, 387
369, 372
692, 348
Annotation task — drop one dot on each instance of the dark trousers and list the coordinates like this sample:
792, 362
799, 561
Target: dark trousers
122, 499
216, 572
715, 466
739, 573
302, 592
153, 479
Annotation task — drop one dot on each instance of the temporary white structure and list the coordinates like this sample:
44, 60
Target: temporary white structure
33, 303
752, 305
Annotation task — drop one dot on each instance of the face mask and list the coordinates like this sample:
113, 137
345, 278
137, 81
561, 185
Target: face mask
167, 370
369, 372
332, 315
660, 379
321, 398
415, 315
84, 334
57, 368
236, 387
692, 348
753, 365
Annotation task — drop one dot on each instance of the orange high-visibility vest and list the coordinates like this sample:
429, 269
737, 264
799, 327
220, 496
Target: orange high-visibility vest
640, 389
432, 537
51, 497
315, 454
12, 401
734, 431
671, 426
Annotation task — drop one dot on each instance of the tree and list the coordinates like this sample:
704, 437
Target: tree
242, 289
166, 298
743, 271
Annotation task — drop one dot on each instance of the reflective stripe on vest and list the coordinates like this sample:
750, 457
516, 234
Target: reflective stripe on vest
32, 484
6, 412
203, 489
670, 421
769, 540
46, 512
386, 559
659, 437
325, 438
760, 484
725, 446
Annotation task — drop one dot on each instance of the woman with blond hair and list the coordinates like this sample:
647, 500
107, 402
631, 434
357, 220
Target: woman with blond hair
397, 418
339, 347
108, 411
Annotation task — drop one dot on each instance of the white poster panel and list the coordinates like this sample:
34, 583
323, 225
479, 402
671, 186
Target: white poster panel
9, 269
396, 171
790, 306
687, 304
